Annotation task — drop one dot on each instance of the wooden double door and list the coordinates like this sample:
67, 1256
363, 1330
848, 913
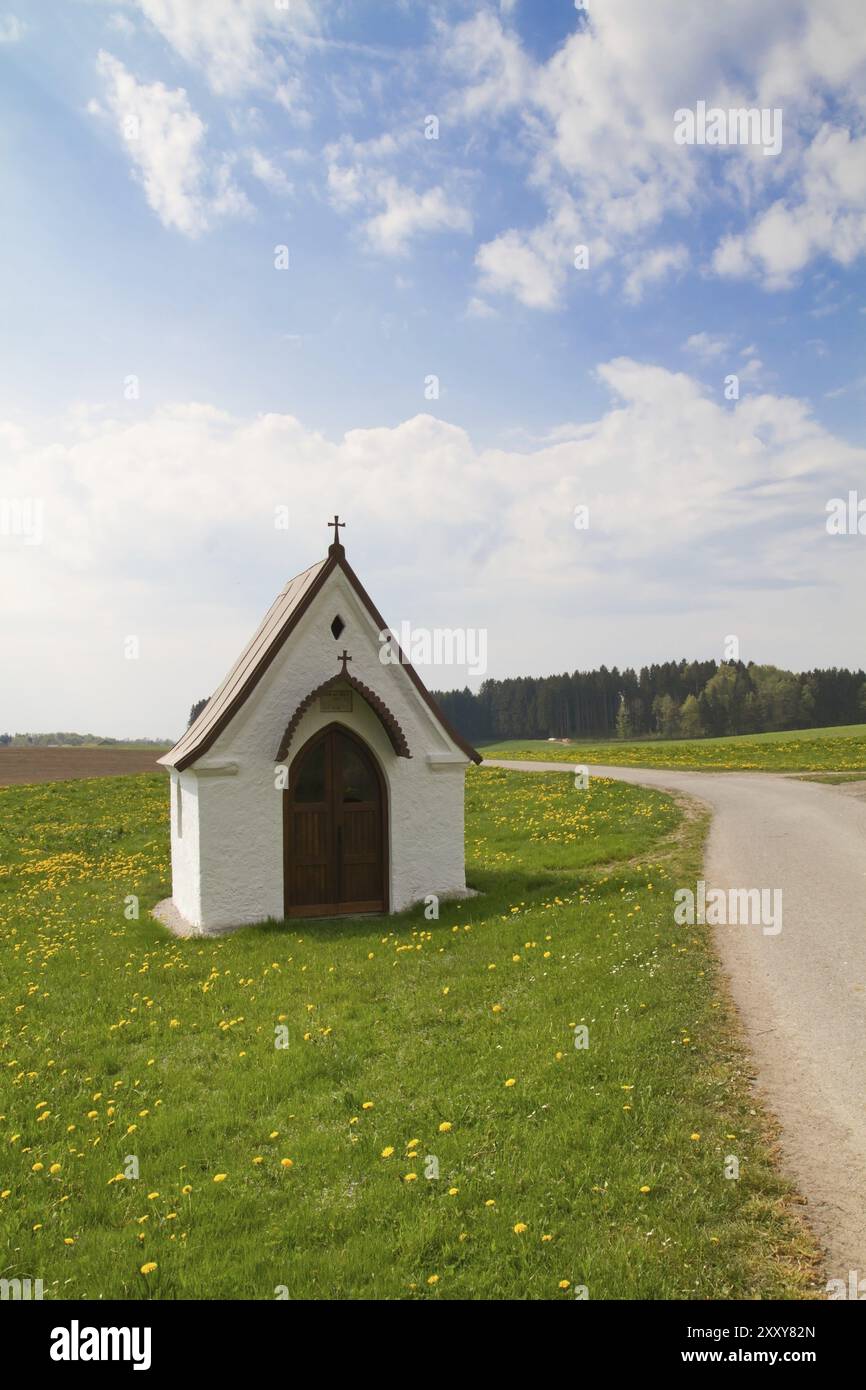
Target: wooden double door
334, 828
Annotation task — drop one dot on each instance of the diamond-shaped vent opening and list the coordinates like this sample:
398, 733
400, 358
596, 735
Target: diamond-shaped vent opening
337, 626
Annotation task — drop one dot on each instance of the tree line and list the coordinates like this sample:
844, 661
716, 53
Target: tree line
675, 699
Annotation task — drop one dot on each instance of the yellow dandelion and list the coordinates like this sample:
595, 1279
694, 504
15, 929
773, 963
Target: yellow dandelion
511, 1081
520, 1227
367, 1105
149, 1267
445, 1127
220, 1177
287, 1163
433, 1279
387, 1151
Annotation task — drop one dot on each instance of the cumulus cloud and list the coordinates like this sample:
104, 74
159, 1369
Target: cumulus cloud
393, 212
163, 526
184, 184
594, 122
652, 266
229, 39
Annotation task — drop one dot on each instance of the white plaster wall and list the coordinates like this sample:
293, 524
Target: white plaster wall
185, 855
239, 817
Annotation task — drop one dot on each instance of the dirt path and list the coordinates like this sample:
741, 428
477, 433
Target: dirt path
801, 993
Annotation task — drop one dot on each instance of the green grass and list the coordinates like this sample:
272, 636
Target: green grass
838, 749
118, 1039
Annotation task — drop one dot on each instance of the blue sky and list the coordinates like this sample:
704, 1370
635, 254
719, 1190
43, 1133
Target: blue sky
156, 152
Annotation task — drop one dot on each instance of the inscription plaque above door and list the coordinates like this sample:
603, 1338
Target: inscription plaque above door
336, 702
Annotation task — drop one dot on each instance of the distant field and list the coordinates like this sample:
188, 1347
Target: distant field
20, 766
838, 749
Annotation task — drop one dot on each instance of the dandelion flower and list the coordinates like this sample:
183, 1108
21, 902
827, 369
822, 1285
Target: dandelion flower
220, 1177
367, 1105
287, 1163
149, 1267
520, 1228
445, 1127
387, 1151
434, 1279
511, 1081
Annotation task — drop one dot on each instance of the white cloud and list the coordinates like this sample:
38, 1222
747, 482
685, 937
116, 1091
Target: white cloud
229, 39
393, 212
12, 29
480, 309
165, 141
826, 214
267, 172
139, 515
707, 345
652, 266
594, 123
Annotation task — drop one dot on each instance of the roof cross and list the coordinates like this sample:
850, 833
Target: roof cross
336, 523
344, 657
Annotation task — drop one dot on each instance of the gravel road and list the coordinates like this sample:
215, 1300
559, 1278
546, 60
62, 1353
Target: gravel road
801, 993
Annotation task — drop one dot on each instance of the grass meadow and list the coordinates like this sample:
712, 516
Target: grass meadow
840, 749
414, 1048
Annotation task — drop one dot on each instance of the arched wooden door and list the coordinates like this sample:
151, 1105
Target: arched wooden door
335, 828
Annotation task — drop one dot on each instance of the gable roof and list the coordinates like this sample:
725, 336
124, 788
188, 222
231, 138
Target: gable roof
278, 623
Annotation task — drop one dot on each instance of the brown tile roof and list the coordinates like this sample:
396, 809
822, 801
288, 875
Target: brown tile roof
279, 621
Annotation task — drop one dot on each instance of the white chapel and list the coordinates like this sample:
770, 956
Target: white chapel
319, 780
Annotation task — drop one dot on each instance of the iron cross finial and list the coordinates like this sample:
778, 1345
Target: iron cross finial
344, 657
336, 523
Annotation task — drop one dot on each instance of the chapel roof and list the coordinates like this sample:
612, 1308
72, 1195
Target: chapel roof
279, 621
